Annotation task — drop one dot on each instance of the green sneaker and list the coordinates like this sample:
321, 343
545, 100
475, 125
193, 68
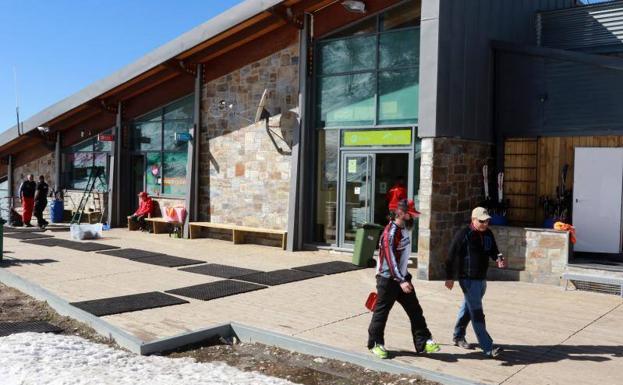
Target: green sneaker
379, 351
431, 346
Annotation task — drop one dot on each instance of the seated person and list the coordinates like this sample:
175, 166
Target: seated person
145, 209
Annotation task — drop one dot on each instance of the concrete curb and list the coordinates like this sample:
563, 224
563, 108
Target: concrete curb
242, 332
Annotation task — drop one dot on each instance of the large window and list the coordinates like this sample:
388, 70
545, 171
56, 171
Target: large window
82, 160
369, 74
157, 136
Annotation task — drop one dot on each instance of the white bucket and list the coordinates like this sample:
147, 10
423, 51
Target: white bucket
82, 232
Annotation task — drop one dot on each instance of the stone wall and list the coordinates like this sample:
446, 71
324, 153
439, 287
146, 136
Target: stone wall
40, 166
244, 179
534, 255
450, 187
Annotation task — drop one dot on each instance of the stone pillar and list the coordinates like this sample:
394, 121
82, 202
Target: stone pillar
450, 187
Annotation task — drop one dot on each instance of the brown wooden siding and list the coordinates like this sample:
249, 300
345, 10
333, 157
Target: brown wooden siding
533, 169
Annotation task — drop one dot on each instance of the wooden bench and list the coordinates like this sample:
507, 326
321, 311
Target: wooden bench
161, 225
237, 232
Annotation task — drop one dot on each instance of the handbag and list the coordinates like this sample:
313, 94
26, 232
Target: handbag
371, 301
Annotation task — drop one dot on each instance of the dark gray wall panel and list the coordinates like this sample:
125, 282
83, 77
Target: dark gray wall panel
545, 96
597, 28
465, 59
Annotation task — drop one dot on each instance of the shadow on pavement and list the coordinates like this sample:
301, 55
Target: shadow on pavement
20, 262
525, 354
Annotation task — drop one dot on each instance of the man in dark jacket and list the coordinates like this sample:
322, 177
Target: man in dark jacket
393, 284
27, 197
471, 249
41, 201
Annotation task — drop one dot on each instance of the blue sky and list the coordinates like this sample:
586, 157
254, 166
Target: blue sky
58, 47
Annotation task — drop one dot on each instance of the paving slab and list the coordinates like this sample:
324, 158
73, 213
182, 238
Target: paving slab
552, 336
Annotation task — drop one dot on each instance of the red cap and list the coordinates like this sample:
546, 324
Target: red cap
143, 194
409, 207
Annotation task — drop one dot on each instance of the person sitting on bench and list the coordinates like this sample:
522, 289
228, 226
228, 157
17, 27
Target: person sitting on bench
145, 209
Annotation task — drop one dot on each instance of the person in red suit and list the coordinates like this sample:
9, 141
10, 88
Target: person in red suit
396, 193
27, 196
145, 209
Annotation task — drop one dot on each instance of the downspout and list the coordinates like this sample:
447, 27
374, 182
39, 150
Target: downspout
192, 168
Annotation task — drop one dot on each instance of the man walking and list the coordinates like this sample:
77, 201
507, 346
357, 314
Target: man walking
27, 197
41, 201
393, 283
469, 255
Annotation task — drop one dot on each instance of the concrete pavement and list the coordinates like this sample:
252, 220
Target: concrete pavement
550, 336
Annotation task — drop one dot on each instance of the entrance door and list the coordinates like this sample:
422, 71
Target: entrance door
138, 179
597, 191
356, 194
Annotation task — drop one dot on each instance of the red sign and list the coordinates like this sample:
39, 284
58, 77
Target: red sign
106, 138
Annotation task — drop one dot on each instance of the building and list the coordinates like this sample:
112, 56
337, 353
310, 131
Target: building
424, 91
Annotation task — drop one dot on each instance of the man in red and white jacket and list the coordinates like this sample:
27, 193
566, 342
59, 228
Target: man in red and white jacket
393, 284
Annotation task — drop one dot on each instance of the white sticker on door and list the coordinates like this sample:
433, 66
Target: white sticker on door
352, 166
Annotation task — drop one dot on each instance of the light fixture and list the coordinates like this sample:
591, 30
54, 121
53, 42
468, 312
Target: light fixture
354, 6
43, 129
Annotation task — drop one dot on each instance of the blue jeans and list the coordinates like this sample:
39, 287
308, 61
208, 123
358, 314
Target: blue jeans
471, 310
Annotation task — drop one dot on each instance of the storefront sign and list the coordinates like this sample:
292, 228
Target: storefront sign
106, 138
377, 138
183, 137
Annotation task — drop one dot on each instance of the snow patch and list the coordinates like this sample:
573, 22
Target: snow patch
33, 358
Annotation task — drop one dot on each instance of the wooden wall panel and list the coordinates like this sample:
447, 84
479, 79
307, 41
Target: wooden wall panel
520, 180
552, 153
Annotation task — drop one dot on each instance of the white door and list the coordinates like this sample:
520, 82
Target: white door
597, 191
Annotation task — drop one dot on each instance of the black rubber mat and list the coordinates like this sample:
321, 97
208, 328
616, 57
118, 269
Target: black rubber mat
44, 242
333, 267
218, 289
278, 277
8, 328
168, 260
128, 303
27, 235
86, 246
131, 253
222, 271
8, 229
57, 229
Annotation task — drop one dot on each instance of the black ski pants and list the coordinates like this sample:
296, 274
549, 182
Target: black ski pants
39, 209
390, 292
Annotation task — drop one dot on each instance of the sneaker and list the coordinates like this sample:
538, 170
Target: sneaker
431, 346
495, 352
462, 343
379, 351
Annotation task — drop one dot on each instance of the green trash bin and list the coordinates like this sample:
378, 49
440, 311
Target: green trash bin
366, 240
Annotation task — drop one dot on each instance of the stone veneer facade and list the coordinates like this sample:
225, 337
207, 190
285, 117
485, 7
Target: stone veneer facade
533, 255
243, 179
450, 187
40, 166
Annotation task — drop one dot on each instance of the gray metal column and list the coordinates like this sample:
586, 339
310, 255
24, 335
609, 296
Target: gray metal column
9, 178
114, 174
297, 165
57, 163
192, 167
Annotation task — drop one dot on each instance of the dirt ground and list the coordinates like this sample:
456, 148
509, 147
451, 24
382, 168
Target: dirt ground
295, 367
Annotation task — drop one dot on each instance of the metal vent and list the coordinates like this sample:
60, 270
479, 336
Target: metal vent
605, 288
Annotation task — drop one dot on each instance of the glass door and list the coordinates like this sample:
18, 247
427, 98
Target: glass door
138, 179
356, 194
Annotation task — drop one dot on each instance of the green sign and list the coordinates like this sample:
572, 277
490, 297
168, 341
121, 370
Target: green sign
377, 138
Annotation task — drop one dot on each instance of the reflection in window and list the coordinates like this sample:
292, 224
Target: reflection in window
328, 146
366, 80
398, 96
347, 98
82, 159
156, 135
348, 55
174, 173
